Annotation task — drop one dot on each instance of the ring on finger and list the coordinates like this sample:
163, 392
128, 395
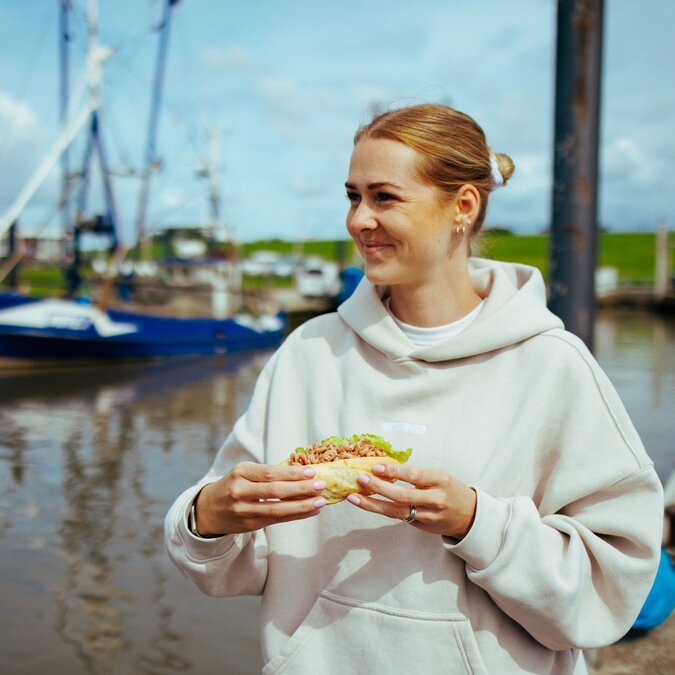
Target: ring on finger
412, 515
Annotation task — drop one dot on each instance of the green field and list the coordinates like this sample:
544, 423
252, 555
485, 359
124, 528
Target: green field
633, 254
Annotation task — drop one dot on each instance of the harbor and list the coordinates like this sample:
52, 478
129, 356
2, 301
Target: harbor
172, 208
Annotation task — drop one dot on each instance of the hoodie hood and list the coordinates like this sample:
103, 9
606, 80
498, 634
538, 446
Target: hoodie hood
514, 310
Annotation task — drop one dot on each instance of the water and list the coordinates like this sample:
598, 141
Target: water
637, 351
90, 461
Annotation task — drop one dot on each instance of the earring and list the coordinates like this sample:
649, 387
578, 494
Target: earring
460, 231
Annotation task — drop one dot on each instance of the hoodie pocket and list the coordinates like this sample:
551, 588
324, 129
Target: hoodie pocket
341, 635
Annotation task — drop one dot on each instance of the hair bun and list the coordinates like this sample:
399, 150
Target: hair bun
503, 166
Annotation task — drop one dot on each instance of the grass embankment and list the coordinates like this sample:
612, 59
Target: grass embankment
340, 250
632, 254
43, 281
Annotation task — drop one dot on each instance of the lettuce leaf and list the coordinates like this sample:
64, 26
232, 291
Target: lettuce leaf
401, 456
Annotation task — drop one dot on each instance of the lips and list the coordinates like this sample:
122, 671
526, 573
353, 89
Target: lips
374, 246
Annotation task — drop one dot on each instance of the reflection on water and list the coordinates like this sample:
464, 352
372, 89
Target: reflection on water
637, 351
91, 460
89, 463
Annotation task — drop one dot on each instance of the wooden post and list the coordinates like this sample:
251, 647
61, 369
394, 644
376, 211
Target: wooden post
662, 262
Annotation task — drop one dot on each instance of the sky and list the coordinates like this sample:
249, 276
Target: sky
285, 83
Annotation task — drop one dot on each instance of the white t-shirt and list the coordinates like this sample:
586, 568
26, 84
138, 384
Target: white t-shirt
425, 337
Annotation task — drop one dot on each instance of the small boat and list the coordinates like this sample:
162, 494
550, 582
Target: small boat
46, 331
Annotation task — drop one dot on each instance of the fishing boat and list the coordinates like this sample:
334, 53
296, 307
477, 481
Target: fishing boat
40, 330
45, 331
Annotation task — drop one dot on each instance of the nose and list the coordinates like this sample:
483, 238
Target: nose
361, 218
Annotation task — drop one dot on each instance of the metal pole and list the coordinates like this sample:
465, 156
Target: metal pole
573, 247
151, 161
111, 208
13, 276
64, 38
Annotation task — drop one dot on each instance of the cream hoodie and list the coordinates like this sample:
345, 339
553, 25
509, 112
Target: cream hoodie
566, 538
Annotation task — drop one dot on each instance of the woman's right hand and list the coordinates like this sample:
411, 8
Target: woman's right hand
253, 496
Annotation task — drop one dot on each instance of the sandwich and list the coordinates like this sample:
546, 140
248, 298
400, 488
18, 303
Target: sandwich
339, 462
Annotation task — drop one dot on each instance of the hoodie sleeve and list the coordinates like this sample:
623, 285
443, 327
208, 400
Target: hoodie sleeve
234, 564
573, 560
576, 579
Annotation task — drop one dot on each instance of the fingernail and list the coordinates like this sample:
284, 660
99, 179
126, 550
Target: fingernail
319, 502
364, 479
309, 472
354, 499
319, 484
378, 468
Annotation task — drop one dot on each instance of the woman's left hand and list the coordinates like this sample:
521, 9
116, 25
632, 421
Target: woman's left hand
444, 505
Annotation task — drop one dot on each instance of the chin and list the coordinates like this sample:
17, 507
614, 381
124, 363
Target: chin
377, 276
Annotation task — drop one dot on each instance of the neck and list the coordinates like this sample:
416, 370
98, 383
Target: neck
434, 305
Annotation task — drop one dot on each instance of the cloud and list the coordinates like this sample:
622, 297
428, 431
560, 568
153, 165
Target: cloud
305, 187
234, 58
280, 91
171, 199
18, 118
23, 146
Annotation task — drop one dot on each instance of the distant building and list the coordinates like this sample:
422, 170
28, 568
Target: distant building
36, 249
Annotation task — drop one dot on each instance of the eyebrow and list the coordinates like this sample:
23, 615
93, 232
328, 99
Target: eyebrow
375, 186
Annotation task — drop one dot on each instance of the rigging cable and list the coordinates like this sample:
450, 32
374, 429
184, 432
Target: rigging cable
176, 117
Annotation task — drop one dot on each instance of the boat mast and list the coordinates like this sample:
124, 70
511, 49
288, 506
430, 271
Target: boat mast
64, 39
226, 277
107, 223
152, 162
212, 174
91, 77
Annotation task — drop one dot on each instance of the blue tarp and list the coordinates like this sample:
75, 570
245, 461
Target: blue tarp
661, 599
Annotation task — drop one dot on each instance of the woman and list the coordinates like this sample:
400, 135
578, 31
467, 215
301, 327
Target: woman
531, 512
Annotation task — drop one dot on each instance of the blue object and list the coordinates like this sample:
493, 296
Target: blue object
661, 599
350, 278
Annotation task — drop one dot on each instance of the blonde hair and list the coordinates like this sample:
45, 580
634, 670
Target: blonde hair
452, 148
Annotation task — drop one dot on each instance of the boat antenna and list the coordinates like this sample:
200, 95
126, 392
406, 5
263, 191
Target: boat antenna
152, 163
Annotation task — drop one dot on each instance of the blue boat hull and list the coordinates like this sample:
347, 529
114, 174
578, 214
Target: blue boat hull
46, 330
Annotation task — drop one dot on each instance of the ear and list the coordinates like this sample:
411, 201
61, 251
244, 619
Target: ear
467, 202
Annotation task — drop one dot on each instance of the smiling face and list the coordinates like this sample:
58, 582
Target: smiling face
402, 226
